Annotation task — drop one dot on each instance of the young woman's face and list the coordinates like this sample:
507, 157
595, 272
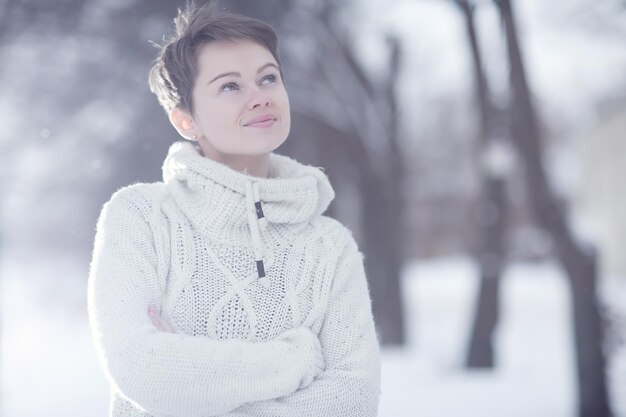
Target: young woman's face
241, 106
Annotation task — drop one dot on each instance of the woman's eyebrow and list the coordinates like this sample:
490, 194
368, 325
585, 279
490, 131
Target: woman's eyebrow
269, 64
226, 74
238, 74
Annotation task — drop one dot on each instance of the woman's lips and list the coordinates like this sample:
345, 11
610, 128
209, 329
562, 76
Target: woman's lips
265, 120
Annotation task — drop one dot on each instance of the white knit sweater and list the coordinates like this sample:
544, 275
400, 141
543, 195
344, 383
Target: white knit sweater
298, 342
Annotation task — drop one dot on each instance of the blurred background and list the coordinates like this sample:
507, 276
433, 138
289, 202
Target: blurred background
477, 148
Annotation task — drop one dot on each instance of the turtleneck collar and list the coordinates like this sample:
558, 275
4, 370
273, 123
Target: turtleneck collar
219, 200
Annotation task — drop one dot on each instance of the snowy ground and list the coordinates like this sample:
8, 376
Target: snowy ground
49, 367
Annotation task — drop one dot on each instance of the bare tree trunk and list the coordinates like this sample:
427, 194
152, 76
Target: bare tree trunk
580, 264
3, 158
491, 215
382, 257
491, 260
393, 332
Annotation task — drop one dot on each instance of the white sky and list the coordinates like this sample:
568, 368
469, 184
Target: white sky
569, 64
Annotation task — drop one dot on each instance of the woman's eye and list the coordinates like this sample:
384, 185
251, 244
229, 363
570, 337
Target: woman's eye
268, 79
228, 87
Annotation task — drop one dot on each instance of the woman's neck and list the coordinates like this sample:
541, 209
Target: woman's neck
254, 165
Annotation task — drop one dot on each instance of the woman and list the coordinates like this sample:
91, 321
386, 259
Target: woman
223, 290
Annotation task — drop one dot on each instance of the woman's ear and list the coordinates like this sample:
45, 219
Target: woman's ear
183, 123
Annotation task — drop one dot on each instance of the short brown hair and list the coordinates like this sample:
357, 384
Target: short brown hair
174, 72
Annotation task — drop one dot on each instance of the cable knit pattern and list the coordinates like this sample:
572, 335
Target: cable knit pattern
274, 325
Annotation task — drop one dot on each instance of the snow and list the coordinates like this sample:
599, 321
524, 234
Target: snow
49, 366
534, 373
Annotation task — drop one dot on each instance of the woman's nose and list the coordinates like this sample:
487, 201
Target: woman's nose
259, 99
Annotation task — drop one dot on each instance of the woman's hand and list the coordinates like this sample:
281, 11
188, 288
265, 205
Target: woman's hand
160, 323
308, 343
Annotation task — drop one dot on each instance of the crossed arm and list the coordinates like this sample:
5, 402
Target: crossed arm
349, 386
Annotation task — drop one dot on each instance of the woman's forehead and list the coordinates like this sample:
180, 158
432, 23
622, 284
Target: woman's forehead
236, 55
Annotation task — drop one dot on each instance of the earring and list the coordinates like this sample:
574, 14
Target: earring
194, 137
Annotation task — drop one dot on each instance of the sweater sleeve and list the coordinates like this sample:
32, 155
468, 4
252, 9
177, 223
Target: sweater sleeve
170, 374
350, 385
